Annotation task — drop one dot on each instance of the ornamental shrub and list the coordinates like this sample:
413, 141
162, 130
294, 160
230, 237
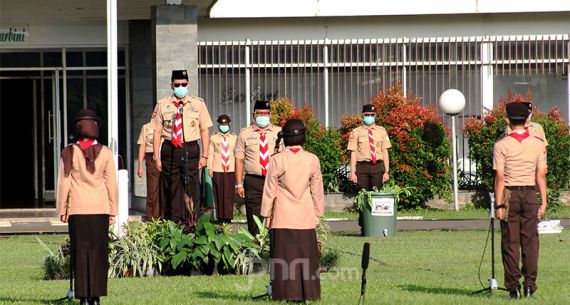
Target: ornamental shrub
483, 133
421, 148
325, 143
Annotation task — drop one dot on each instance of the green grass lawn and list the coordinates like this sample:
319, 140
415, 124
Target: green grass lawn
410, 268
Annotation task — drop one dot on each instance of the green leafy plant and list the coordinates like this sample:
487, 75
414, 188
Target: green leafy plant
421, 148
134, 254
483, 133
329, 259
56, 265
364, 198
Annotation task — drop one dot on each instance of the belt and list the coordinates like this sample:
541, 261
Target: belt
255, 176
521, 188
369, 162
190, 142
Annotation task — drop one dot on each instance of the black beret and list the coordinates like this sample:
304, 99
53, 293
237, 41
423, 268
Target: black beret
516, 110
179, 74
86, 114
293, 127
368, 108
224, 118
261, 105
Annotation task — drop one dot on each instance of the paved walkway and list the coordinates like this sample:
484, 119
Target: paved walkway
46, 221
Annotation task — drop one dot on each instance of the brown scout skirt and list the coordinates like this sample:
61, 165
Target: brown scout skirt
224, 190
90, 255
295, 265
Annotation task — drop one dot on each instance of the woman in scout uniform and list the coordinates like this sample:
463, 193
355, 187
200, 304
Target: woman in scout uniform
293, 202
145, 143
519, 161
221, 167
368, 145
87, 198
254, 147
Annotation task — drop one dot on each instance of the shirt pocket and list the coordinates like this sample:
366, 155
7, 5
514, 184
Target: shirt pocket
150, 136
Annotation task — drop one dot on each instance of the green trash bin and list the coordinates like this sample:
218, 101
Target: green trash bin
379, 218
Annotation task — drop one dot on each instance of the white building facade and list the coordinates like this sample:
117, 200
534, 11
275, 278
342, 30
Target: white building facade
330, 55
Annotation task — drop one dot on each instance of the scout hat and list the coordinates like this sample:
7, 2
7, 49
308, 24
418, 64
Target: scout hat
293, 133
517, 110
293, 127
223, 119
86, 114
179, 74
261, 105
529, 105
368, 108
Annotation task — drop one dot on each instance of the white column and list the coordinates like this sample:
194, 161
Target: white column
326, 81
247, 84
487, 76
454, 150
112, 78
405, 69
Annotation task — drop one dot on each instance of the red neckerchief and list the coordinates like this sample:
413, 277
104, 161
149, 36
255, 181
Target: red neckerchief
294, 149
520, 136
85, 143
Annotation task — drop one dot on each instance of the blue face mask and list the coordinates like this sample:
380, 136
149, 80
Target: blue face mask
180, 92
262, 121
224, 128
369, 119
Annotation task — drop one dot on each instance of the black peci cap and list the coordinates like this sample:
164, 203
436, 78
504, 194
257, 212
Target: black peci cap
517, 110
368, 108
261, 105
223, 119
86, 114
179, 74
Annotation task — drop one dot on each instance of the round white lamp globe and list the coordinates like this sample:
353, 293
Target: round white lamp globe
452, 101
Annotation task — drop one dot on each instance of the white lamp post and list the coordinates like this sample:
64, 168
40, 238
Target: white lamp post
452, 102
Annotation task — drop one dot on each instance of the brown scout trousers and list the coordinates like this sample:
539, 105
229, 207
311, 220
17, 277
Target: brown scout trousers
173, 163
224, 191
152, 188
520, 234
368, 176
253, 187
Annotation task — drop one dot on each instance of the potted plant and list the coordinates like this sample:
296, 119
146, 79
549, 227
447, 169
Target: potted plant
379, 209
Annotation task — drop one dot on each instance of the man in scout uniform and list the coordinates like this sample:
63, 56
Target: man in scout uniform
535, 129
519, 161
255, 145
221, 167
145, 143
368, 146
181, 121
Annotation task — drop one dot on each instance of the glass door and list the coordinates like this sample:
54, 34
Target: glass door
51, 138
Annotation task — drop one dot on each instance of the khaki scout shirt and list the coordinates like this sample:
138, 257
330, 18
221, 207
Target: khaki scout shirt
146, 137
215, 152
195, 117
519, 159
293, 195
534, 129
247, 147
83, 192
358, 141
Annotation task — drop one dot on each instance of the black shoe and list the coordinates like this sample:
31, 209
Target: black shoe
95, 301
515, 294
528, 292
83, 301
